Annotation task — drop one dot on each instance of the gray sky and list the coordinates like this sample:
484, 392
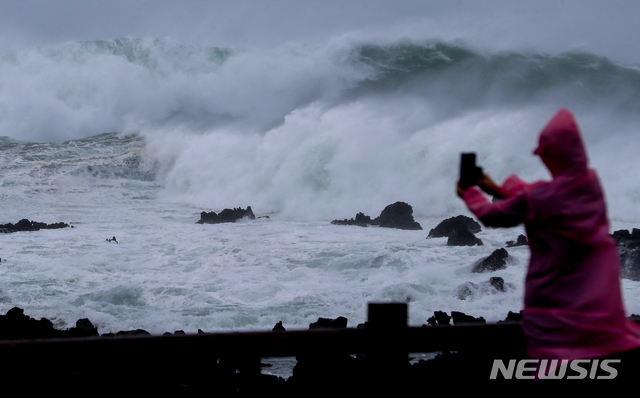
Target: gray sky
609, 28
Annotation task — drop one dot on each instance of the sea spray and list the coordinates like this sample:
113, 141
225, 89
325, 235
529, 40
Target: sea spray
135, 138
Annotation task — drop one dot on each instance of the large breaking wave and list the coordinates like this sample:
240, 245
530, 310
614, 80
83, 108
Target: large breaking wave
324, 132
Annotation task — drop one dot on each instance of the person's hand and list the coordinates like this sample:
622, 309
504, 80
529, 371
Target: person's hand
459, 190
489, 186
486, 184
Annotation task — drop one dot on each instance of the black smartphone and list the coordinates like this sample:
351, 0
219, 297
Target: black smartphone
469, 172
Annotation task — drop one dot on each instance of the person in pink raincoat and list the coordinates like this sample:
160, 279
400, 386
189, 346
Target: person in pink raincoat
573, 306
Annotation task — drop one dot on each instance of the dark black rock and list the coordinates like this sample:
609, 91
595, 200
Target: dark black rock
136, 332
466, 290
15, 325
84, 328
398, 215
439, 318
496, 261
621, 234
450, 226
26, 225
495, 285
512, 317
629, 250
148, 374
278, 327
226, 215
463, 237
521, 241
361, 220
326, 323
460, 318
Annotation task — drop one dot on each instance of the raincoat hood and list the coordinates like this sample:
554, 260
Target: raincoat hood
560, 146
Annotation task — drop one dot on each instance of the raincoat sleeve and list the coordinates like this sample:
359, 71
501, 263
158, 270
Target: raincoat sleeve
507, 212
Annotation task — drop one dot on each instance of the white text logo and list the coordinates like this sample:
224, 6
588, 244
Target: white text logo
577, 369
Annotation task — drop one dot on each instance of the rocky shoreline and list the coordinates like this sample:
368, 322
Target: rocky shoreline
334, 374
318, 373
326, 372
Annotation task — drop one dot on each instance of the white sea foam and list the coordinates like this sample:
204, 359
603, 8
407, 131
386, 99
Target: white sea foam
303, 135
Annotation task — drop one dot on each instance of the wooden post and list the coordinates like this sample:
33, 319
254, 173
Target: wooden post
388, 357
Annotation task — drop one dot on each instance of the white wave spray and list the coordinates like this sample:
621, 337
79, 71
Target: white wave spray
324, 132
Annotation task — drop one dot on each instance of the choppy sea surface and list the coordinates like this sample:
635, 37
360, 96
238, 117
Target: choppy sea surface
133, 138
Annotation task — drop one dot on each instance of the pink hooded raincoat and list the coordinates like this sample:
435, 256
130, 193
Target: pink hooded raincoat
573, 301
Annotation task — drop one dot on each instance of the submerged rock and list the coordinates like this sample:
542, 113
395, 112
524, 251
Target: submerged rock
496, 261
521, 241
470, 290
497, 283
226, 215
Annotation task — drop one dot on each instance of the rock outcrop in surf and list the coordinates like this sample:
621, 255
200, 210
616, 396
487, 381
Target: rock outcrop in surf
464, 237
397, 215
26, 225
226, 215
470, 290
451, 226
460, 230
361, 220
494, 262
521, 241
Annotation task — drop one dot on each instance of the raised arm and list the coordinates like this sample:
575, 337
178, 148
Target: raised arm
508, 212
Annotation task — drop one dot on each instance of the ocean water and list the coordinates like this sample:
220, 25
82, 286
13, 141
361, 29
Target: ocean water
133, 138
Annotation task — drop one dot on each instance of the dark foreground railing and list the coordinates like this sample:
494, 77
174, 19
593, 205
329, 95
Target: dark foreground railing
386, 331
386, 340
